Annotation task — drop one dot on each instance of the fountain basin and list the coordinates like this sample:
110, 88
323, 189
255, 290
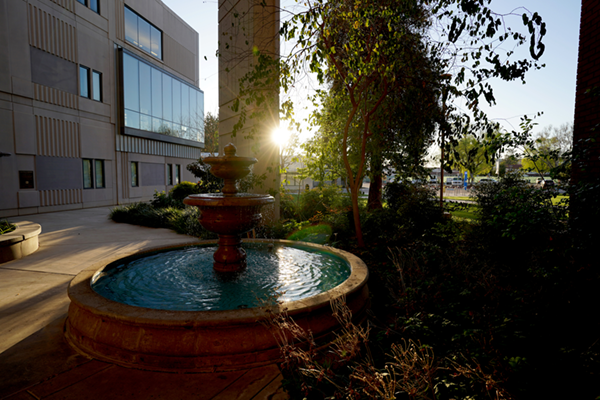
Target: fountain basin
199, 341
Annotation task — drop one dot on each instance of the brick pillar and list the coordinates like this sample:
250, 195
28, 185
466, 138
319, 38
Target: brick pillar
585, 204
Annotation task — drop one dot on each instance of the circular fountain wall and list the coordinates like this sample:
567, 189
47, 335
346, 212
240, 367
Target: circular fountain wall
213, 340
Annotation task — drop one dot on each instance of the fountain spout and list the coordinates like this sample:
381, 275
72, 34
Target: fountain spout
229, 214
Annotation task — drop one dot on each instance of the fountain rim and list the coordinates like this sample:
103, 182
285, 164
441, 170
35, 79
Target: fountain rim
80, 292
221, 199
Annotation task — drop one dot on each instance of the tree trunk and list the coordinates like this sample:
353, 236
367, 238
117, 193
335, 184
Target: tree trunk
354, 191
374, 201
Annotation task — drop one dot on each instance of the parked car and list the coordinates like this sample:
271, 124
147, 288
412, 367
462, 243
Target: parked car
454, 182
486, 180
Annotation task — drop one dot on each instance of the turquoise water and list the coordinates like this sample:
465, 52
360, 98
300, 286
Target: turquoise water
184, 279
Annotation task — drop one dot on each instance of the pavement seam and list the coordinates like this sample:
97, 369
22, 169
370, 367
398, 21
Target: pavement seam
38, 272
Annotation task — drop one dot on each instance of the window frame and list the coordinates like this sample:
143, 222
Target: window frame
177, 179
135, 179
84, 73
96, 96
88, 4
99, 164
94, 166
138, 45
169, 174
89, 74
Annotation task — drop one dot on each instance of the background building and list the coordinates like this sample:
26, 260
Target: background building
99, 103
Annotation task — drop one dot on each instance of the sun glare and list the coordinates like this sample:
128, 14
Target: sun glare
281, 136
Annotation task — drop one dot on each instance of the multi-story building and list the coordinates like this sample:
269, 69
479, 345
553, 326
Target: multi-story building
99, 103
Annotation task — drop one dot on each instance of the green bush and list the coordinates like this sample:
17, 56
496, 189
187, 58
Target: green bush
512, 211
322, 200
183, 190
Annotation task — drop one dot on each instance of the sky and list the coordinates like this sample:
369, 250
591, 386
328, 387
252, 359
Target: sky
550, 90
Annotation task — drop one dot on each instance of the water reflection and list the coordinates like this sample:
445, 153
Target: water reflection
184, 279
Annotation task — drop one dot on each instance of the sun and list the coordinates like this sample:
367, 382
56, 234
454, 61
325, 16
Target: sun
281, 136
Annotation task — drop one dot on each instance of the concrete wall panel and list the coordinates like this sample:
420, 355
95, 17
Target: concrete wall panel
18, 48
97, 141
24, 131
52, 71
58, 173
29, 198
5, 82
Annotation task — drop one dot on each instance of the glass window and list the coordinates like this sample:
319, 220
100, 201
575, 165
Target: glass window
145, 122
177, 173
145, 89
176, 102
156, 93
134, 175
131, 87
185, 105
131, 26
132, 119
82, 2
167, 98
96, 85
99, 167
142, 34
155, 42
94, 6
87, 174
170, 174
84, 83
157, 102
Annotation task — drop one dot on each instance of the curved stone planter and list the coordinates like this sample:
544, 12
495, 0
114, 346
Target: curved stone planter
200, 341
21, 242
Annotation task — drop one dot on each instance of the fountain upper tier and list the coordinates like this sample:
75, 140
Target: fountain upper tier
229, 214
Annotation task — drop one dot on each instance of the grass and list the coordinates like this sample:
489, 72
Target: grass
469, 213
313, 234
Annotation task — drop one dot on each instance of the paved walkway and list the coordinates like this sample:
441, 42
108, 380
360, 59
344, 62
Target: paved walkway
36, 362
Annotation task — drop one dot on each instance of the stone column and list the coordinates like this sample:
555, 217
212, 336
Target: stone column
245, 28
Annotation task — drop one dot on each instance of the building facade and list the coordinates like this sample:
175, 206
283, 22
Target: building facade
99, 103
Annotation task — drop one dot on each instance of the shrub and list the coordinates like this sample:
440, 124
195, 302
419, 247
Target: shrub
183, 190
6, 227
513, 211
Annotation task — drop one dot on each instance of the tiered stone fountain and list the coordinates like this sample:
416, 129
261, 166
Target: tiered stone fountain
120, 326
231, 214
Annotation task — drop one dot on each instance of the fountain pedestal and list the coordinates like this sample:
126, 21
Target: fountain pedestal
229, 214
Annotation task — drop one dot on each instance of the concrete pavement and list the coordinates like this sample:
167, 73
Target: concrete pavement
36, 362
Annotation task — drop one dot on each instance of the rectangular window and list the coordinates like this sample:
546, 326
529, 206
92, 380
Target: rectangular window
90, 83
88, 174
134, 175
170, 174
131, 26
94, 6
99, 169
96, 86
84, 82
156, 101
177, 174
142, 34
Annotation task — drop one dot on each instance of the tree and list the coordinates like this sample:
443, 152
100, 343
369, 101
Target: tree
550, 151
211, 133
471, 155
368, 50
